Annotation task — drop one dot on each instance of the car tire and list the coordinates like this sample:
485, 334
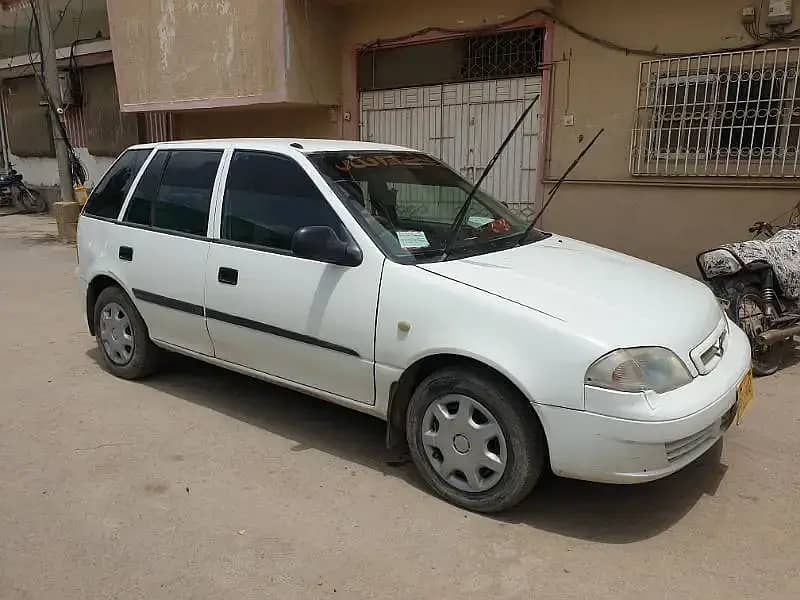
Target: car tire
122, 336
494, 405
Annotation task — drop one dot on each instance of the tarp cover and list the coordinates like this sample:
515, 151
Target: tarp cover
781, 251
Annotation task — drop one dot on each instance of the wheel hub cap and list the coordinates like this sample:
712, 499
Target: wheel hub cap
461, 444
464, 443
116, 333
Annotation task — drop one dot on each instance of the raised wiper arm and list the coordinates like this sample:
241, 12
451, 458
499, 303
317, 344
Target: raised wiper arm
462, 213
557, 185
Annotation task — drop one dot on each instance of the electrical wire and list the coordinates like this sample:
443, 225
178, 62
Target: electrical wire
77, 170
73, 63
62, 13
750, 29
605, 43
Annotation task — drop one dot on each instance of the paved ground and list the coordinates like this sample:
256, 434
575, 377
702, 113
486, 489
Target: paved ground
200, 483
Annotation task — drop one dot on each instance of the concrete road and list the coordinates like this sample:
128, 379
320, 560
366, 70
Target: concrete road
199, 483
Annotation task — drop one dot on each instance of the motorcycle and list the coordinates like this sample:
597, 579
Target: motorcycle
758, 283
15, 192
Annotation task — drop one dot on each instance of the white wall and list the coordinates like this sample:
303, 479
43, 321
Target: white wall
44, 171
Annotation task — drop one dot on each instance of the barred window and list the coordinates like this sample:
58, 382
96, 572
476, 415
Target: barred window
507, 54
501, 55
731, 114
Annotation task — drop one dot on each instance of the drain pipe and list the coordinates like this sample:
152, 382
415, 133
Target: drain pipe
3, 133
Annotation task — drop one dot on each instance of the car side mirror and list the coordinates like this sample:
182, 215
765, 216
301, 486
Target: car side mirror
321, 243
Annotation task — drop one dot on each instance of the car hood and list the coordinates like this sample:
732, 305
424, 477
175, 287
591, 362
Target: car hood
616, 300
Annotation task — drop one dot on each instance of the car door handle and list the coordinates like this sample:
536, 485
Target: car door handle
228, 276
126, 253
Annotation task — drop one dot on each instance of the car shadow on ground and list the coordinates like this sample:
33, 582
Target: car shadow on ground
620, 514
605, 513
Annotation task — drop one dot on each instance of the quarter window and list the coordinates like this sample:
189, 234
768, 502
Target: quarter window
109, 195
175, 190
140, 208
268, 198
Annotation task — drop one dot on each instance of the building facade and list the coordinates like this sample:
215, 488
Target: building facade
698, 106
93, 122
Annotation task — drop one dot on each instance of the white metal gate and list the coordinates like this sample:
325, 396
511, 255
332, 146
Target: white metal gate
463, 124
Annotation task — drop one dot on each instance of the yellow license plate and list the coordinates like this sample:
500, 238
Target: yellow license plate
744, 395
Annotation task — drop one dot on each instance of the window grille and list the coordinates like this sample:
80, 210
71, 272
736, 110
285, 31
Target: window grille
502, 55
733, 114
508, 54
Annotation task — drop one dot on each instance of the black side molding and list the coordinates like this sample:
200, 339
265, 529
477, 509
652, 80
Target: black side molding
272, 330
210, 313
187, 307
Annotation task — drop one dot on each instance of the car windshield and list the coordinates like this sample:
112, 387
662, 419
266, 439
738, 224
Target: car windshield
409, 203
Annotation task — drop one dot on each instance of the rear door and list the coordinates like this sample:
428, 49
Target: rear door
163, 245
302, 320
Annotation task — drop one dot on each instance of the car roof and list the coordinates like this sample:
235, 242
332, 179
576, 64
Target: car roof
282, 145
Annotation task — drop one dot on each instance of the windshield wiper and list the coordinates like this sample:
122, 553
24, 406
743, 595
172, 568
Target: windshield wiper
557, 185
462, 213
485, 246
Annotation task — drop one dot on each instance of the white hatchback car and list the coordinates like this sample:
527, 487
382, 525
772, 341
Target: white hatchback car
359, 273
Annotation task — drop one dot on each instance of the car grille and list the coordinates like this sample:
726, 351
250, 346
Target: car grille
680, 448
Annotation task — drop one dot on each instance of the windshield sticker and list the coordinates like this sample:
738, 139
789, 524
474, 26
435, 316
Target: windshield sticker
412, 239
385, 160
479, 221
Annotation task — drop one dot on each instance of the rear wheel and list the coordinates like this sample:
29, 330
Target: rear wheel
474, 439
749, 312
122, 336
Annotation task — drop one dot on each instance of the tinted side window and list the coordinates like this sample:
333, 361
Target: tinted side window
109, 195
268, 198
140, 208
175, 191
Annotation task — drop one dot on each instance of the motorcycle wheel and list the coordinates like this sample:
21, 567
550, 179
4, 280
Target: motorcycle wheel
32, 200
749, 313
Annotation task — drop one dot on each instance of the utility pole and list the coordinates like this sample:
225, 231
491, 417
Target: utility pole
66, 216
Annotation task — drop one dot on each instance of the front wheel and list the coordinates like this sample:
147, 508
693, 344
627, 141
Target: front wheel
474, 439
749, 313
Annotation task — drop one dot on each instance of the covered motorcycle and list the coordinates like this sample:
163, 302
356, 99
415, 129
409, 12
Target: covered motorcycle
759, 281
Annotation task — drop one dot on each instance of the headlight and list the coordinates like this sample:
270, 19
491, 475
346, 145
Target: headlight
639, 370
718, 262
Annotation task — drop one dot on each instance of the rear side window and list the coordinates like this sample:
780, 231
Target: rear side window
269, 197
109, 195
175, 190
140, 207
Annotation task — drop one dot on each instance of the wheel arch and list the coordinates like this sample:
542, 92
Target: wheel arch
401, 390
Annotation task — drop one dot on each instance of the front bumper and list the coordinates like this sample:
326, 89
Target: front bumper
602, 448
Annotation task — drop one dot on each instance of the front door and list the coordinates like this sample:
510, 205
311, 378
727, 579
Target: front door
163, 245
302, 320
